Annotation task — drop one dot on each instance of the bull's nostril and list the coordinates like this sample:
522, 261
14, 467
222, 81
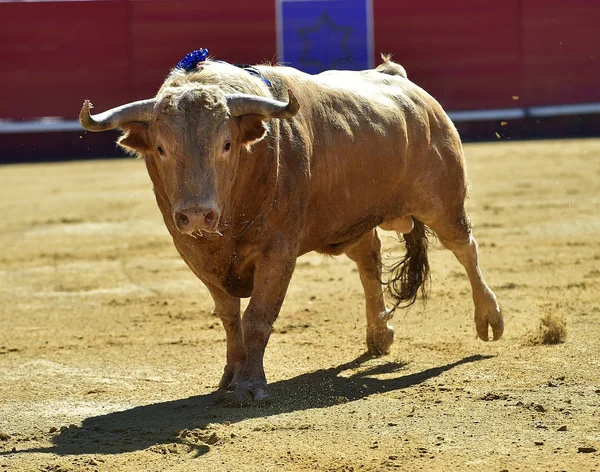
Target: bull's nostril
182, 220
210, 217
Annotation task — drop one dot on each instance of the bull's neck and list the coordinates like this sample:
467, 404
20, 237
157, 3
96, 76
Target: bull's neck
255, 186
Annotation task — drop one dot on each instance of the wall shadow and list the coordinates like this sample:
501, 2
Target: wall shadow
159, 423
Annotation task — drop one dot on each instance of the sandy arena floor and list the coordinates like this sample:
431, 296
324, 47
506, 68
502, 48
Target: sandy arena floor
109, 354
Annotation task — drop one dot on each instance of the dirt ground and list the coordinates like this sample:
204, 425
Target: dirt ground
110, 356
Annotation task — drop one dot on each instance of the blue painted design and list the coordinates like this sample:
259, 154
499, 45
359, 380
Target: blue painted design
325, 34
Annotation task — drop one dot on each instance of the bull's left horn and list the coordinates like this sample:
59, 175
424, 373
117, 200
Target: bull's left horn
140, 111
241, 104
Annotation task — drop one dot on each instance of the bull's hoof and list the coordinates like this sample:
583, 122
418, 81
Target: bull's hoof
251, 390
488, 314
486, 318
229, 379
380, 340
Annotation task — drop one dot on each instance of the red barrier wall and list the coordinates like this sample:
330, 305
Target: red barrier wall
465, 53
163, 31
561, 44
470, 54
55, 54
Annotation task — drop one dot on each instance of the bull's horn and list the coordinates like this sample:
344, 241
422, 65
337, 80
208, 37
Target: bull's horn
240, 104
136, 111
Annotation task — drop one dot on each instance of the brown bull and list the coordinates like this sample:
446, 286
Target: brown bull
248, 178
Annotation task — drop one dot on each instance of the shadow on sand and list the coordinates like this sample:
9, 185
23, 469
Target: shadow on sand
144, 426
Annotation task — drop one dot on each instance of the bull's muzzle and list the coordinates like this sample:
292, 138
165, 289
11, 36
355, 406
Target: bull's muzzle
196, 220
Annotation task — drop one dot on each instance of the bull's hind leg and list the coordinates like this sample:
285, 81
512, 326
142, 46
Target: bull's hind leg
456, 235
367, 255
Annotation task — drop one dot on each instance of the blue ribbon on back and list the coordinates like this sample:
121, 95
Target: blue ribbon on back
191, 60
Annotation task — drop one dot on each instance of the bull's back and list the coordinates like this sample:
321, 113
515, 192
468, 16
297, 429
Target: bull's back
367, 135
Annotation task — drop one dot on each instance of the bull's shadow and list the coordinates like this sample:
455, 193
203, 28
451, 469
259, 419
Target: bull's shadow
159, 423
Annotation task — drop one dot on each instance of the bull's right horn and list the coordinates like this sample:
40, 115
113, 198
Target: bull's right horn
140, 111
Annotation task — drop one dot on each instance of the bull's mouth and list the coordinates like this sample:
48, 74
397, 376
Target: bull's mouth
199, 233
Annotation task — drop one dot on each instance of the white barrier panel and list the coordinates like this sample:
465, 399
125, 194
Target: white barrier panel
55, 125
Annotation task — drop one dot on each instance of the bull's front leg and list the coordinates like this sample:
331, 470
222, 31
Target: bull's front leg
271, 279
228, 310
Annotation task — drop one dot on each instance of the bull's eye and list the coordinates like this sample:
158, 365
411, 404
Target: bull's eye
227, 146
160, 150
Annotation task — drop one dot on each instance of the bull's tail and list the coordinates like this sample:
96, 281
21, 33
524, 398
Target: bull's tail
411, 273
390, 67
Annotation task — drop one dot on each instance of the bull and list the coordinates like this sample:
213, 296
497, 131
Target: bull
248, 178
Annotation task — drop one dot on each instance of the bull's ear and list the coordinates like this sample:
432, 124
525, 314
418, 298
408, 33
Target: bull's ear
135, 138
253, 128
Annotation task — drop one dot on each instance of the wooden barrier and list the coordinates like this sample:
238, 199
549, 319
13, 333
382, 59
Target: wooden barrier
471, 55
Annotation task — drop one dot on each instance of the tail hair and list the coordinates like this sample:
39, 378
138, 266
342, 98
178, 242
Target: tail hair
390, 67
411, 273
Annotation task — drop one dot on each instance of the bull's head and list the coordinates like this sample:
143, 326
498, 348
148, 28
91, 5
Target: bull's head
194, 134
